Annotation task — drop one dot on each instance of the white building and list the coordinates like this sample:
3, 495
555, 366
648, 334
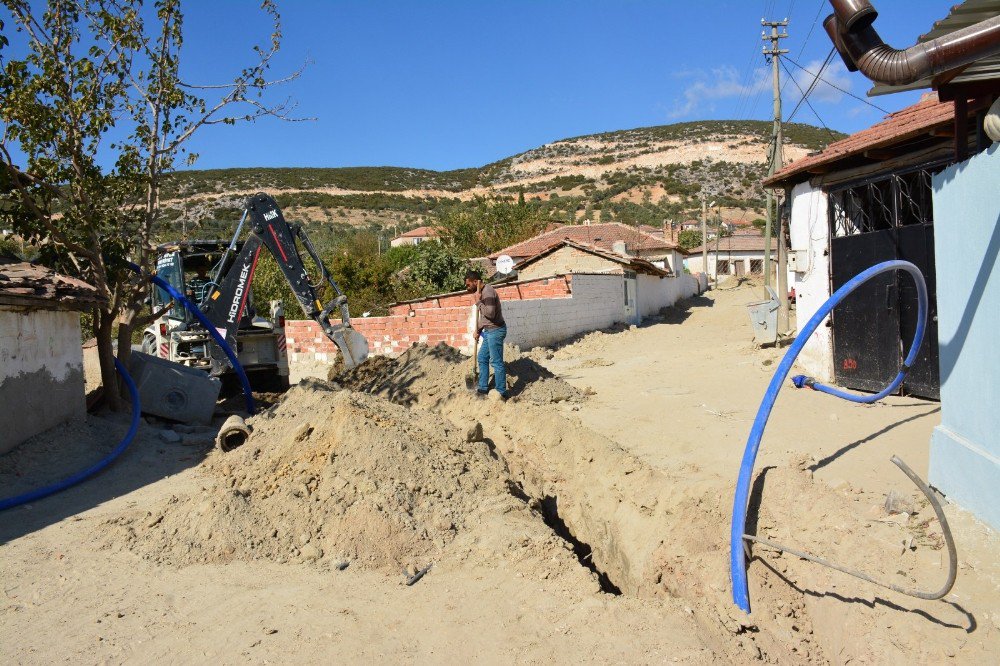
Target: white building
415, 236
741, 254
41, 360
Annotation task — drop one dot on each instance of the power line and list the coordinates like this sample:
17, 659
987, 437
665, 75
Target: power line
832, 85
805, 98
812, 84
819, 12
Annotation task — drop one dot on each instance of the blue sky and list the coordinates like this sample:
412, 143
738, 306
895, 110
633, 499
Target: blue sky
449, 84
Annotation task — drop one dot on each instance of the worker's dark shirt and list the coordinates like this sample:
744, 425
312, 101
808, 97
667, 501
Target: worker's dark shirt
490, 313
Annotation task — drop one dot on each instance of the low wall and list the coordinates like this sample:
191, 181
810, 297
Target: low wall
542, 311
41, 372
656, 293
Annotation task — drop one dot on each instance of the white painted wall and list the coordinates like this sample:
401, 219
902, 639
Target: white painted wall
810, 242
694, 261
41, 372
656, 293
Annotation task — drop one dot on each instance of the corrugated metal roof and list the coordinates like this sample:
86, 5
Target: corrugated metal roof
961, 16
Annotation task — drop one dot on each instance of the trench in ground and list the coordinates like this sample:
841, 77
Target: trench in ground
548, 506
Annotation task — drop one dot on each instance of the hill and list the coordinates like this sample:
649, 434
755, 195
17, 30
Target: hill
641, 175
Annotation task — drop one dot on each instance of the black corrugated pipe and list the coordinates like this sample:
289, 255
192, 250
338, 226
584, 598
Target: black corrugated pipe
850, 29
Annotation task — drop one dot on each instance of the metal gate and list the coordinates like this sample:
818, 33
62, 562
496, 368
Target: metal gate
879, 220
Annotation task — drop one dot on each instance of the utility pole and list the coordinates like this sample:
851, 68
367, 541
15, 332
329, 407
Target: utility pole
704, 238
774, 52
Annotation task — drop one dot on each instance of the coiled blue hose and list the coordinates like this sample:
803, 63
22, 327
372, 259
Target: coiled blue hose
193, 309
17, 500
737, 559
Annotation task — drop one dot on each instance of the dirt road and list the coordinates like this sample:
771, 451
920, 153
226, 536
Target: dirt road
628, 488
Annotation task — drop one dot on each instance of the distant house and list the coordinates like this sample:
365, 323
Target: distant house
41, 360
740, 254
611, 236
415, 236
645, 287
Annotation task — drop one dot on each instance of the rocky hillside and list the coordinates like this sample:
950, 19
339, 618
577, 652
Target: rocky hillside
642, 175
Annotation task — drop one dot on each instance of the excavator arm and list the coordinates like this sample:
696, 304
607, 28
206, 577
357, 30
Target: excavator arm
226, 300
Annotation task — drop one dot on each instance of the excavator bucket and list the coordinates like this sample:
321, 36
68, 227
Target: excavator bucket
353, 346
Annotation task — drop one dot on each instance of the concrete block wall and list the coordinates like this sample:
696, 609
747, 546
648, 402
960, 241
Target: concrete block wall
542, 311
448, 318
597, 302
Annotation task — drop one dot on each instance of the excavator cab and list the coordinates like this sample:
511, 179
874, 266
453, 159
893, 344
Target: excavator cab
216, 276
259, 342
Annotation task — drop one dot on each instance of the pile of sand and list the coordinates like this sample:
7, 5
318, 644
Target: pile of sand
337, 476
427, 373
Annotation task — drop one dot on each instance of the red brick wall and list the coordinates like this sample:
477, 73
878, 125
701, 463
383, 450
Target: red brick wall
431, 321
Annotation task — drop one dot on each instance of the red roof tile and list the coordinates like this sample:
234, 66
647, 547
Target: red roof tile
602, 236
738, 242
22, 283
639, 265
895, 128
420, 232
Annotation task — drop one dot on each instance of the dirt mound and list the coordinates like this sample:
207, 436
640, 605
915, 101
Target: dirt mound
438, 372
339, 476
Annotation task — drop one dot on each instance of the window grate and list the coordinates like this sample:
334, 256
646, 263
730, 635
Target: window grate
889, 202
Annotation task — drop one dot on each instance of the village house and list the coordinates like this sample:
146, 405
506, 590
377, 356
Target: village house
741, 254
920, 186
41, 360
609, 236
415, 236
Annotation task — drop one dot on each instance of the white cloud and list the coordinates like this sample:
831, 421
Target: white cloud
719, 83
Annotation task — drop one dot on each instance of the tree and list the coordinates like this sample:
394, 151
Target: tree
490, 224
437, 269
689, 239
94, 76
761, 224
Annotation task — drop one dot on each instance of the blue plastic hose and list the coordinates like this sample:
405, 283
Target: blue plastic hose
737, 558
17, 500
193, 309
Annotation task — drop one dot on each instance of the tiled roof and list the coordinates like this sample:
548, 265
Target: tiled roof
22, 283
738, 242
602, 236
638, 265
420, 232
897, 127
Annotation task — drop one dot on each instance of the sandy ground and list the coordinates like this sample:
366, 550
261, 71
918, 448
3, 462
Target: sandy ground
643, 471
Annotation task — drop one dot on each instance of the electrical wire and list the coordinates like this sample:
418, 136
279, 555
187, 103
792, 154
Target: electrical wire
812, 85
819, 12
836, 87
805, 98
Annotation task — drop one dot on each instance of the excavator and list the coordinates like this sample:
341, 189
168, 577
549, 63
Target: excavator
222, 290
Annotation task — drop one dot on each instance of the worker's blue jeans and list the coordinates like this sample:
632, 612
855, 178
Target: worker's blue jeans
491, 353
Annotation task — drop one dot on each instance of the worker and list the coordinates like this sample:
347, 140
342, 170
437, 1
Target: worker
491, 329
196, 285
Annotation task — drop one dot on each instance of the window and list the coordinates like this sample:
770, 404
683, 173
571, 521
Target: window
892, 201
722, 267
756, 266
